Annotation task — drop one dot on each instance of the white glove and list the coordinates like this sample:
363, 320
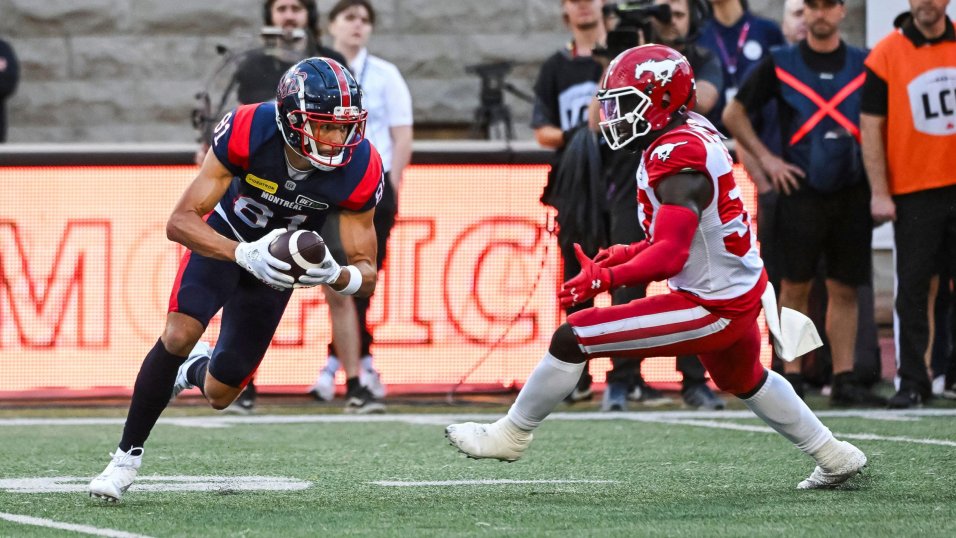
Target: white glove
326, 272
255, 258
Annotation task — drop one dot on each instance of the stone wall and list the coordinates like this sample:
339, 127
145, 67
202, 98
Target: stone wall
128, 70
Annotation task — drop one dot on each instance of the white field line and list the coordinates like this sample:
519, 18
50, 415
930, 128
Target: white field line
427, 419
79, 484
51, 524
765, 429
488, 482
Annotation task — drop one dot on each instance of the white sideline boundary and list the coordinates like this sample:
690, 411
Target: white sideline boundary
487, 482
52, 524
707, 419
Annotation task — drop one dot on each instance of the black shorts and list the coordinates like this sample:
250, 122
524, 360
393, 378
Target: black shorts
251, 310
835, 227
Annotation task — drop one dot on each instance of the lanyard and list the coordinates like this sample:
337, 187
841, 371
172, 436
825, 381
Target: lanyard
731, 63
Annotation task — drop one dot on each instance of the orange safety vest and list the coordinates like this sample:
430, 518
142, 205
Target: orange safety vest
921, 114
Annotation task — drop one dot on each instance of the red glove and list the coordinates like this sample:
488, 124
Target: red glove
618, 254
592, 280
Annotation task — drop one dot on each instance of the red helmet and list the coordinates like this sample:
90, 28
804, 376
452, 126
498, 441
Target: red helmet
644, 89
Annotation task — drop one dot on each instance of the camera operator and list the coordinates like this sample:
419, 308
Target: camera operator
674, 23
291, 33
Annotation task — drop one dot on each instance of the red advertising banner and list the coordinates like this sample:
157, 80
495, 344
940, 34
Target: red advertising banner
467, 295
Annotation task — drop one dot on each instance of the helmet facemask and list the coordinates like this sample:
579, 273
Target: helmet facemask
622, 116
307, 125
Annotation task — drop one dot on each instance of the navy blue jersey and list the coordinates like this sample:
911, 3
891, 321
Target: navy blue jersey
263, 196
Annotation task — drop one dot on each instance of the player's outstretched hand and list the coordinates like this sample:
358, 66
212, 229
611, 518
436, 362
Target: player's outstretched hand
592, 280
326, 272
618, 254
255, 257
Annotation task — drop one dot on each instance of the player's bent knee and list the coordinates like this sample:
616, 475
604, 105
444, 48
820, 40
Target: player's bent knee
564, 345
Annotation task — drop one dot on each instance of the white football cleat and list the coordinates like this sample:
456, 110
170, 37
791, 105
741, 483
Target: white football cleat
324, 388
372, 380
501, 440
118, 475
839, 463
200, 350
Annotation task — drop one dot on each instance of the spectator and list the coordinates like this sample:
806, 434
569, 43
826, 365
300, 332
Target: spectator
9, 77
905, 119
822, 213
625, 380
389, 128
566, 83
256, 78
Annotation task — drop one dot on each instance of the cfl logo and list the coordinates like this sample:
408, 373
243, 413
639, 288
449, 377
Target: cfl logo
596, 284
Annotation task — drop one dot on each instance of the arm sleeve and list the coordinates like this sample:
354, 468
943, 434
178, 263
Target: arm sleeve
876, 95
674, 230
760, 86
544, 111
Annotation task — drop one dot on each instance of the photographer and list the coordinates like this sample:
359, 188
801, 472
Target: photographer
674, 23
566, 83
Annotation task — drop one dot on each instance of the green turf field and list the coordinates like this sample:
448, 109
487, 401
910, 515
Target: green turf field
587, 474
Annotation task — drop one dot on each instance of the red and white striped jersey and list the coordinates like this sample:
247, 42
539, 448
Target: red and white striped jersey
724, 262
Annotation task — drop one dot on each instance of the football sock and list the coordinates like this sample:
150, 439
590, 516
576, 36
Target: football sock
196, 374
779, 406
367, 362
331, 365
548, 384
151, 393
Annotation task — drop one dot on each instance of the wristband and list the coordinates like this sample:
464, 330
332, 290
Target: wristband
355, 280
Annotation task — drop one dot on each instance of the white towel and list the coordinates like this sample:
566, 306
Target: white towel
793, 333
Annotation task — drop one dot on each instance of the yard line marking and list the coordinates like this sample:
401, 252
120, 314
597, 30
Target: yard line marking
765, 429
78, 484
486, 482
85, 529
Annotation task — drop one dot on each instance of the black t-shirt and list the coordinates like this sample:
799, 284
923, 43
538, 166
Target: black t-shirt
564, 89
257, 76
762, 85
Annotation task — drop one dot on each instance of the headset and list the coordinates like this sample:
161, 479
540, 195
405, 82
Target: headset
311, 10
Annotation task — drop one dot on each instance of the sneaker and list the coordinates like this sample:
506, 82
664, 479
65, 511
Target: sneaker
701, 397
501, 440
836, 464
118, 475
324, 388
361, 402
579, 395
615, 397
245, 403
648, 396
940, 390
852, 394
905, 399
373, 381
200, 350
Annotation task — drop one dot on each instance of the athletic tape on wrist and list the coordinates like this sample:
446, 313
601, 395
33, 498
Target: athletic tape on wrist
355, 280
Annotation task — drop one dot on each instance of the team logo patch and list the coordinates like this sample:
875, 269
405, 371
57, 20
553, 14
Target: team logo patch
290, 185
305, 201
663, 152
263, 184
291, 84
663, 70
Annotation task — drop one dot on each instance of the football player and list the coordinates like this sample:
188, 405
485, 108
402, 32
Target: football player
699, 240
272, 166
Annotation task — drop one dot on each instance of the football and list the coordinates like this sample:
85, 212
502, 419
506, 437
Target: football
302, 249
